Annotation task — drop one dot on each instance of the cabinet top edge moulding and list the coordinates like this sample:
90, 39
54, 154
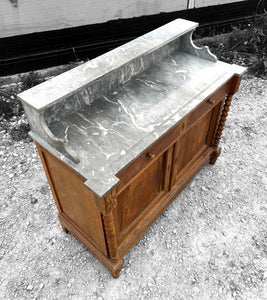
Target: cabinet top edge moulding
102, 115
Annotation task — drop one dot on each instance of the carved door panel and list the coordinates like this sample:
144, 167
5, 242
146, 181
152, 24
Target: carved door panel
194, 142
148, 186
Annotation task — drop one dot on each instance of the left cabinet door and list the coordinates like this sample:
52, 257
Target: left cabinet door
142, 192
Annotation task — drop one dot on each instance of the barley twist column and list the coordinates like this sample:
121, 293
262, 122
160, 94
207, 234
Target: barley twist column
224, 114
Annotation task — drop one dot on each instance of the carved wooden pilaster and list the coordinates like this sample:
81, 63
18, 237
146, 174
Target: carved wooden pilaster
111, 237
221, 124
106, 206
110, 202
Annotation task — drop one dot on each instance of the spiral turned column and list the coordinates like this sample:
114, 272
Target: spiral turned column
234, 85
220, 128
222, 120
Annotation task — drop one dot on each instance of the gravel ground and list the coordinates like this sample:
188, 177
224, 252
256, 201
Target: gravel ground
211, 243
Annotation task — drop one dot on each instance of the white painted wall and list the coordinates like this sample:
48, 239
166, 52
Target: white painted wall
43, 15
204, 3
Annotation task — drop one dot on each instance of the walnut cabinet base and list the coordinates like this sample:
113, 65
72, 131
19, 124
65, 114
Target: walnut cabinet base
111, 226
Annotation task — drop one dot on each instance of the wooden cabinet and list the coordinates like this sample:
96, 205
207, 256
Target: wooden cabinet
121, 135
110, 227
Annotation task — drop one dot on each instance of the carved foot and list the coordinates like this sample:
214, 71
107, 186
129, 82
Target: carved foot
214, 155
115, 269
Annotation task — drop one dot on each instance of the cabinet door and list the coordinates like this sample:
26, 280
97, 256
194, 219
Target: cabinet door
195, 141
143, 191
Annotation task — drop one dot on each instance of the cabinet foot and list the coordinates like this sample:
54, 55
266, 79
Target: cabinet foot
63, 227
115, 268
214, 155
65, 230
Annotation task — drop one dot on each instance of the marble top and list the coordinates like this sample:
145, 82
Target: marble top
109, 132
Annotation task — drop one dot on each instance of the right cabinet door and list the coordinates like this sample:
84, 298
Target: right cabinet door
194, 143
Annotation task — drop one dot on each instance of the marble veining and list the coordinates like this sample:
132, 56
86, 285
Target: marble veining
127, 104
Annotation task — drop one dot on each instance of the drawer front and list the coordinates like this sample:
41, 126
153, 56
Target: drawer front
206, 106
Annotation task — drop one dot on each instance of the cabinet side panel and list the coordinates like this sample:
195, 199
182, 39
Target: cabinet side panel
75, 200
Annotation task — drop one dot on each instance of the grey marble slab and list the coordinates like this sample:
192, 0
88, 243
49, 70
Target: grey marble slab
113, 131
113, 111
